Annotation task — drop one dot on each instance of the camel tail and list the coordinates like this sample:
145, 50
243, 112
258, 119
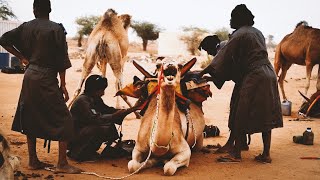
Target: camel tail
278, 59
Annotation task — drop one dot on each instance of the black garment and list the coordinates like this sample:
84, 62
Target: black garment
255, 103
41, 110
94, 125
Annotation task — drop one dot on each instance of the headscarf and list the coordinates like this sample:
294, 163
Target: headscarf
42, 6
210, 44
95, 83
241, 16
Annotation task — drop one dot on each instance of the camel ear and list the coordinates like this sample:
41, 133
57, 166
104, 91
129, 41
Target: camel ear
188, 66
142, 70
305, 97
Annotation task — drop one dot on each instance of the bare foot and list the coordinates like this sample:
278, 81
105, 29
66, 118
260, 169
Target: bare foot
68, 169
39, 165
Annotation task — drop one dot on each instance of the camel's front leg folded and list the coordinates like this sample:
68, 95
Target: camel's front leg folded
138, 159
179, 160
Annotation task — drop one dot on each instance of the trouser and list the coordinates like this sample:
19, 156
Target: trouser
89, 140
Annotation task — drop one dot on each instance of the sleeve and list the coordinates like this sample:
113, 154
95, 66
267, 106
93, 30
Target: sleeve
222, 66
85, 112
12, 38
63, 61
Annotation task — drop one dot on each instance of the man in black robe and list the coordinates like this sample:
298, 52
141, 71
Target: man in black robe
255, 104
41, 112
94, 121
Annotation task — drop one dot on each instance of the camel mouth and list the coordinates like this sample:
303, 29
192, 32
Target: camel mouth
170, 73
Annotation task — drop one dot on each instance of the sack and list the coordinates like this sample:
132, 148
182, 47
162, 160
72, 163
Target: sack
211, 131
121, 149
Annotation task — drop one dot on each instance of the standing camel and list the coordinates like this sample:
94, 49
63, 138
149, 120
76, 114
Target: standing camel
300, 47
107, 43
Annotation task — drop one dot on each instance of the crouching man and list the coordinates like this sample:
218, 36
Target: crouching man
94, 121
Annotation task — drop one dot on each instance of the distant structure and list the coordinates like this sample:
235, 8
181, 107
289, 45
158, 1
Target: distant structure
6, 26
169, 44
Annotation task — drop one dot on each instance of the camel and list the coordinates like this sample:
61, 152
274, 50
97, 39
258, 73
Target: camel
107, 43
8, 162
311, 107
300, 47
164, 134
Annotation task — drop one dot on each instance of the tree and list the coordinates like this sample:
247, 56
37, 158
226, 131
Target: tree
5, 10
86, 24
270, 43
146, 31
193, 37
222, 33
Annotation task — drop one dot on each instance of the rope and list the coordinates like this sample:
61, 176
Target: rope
193, 128
108, 177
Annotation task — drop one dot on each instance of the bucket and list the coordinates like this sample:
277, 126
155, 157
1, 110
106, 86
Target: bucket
286, 108
4, 60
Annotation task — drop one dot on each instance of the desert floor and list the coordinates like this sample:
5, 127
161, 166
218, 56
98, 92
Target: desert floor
286, 155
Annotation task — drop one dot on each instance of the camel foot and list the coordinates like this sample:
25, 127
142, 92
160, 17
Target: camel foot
133, 166
169, 169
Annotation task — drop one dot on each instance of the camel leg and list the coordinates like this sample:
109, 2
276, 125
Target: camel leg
282, 76
309, 70
138, 159
86, 70
179, 160
118, 75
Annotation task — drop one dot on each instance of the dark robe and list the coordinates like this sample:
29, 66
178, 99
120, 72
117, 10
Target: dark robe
41, 111
94, 125
255, 103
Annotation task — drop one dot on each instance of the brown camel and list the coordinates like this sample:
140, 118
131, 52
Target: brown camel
300, 47
107, 43
164, 134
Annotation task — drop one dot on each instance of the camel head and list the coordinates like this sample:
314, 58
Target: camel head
108, 18
311, 107
126, 20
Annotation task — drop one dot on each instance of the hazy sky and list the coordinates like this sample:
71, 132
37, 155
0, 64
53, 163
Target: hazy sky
275, 17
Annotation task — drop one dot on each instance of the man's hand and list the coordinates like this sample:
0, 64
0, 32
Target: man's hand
24, 62
65, 93
121, 113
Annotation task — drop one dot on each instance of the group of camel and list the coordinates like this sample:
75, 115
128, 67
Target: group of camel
163, 131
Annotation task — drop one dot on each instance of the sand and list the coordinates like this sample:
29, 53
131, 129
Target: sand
285, 154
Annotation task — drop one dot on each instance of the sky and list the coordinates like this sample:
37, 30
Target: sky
272, 17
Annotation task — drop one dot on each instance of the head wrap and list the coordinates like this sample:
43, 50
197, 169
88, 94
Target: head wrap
42, 6
95, 83
210, 44
241, 16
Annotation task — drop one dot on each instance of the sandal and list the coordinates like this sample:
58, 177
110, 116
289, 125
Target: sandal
228, 159
263, 159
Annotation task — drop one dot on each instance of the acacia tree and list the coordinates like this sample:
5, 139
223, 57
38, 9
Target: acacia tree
86, 25
146, 31
270, 42
5, 10
222, 33
193, 37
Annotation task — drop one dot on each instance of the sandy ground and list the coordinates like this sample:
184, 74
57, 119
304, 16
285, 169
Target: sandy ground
286, 155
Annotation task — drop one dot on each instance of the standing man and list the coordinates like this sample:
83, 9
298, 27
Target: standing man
255, 103
42, 113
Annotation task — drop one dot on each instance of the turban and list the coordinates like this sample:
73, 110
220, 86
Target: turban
95, 83
42, 6
241, 15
